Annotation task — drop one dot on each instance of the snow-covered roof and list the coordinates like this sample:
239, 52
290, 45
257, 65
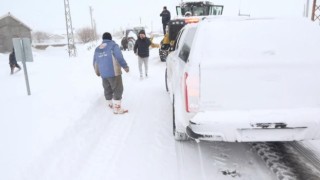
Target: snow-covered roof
57, 36
13, 17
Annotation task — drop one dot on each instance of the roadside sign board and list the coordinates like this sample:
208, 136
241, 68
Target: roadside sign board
22, 48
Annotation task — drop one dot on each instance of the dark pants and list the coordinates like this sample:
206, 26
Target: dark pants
164, 28
14, 65
113, 88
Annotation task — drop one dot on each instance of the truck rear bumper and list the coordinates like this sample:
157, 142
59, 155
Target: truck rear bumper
256, 125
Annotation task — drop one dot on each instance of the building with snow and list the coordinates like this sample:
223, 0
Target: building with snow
11, 27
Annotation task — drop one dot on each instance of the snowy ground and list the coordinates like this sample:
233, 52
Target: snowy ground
64, 131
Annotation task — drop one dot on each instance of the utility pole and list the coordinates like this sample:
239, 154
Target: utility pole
95, 30
315, 11
71, 45
151, 26
93, 25
90, 9
306, 9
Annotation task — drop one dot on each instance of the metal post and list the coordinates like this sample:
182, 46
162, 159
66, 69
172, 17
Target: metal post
25, 67
26, 76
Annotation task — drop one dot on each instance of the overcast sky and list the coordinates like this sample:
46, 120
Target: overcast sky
49, 16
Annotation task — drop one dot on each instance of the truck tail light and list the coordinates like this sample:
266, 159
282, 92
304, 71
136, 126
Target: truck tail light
191, 88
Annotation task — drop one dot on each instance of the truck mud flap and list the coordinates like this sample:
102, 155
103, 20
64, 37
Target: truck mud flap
192, 134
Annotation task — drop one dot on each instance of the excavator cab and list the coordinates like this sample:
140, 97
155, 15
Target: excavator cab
203, 8
187, 12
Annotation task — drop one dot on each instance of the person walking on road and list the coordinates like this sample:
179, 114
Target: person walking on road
13, 62
141, 49
108, 61
166, 17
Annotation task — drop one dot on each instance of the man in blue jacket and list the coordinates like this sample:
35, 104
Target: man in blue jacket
108, 61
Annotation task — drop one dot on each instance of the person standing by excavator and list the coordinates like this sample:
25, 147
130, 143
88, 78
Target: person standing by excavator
166, 17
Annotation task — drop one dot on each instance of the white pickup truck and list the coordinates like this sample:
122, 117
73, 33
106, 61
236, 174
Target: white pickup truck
246, 80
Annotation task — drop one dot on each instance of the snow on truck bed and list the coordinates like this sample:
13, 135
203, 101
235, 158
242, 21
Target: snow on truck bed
259, 64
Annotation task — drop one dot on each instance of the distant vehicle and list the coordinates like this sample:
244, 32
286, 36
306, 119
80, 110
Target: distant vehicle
245, 80
187, 12
129, 38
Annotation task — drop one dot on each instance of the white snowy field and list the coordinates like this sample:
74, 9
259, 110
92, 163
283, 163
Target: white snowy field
64, 131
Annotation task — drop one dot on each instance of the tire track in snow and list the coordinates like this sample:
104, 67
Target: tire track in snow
288, 160
180, 160
219, 160
148, 126
308, 164
143, 101
307, 153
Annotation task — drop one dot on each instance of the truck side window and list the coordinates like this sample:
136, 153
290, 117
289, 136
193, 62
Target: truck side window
186, 47
176, 42
184, 53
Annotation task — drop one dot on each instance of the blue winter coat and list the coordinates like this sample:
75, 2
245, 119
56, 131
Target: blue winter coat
108, 65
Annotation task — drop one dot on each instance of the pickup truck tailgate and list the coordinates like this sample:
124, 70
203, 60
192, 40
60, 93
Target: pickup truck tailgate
259, 86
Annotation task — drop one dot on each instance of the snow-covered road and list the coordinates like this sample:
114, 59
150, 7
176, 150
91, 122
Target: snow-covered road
64, 131
95, 144
139, 145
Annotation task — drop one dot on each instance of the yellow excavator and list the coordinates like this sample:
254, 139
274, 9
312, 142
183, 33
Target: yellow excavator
187, 12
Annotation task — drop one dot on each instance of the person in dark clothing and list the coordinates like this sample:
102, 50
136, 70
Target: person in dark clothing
141, 49
13, 62
165, 14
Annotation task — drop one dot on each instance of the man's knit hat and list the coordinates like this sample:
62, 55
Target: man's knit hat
106, 35
142, 32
